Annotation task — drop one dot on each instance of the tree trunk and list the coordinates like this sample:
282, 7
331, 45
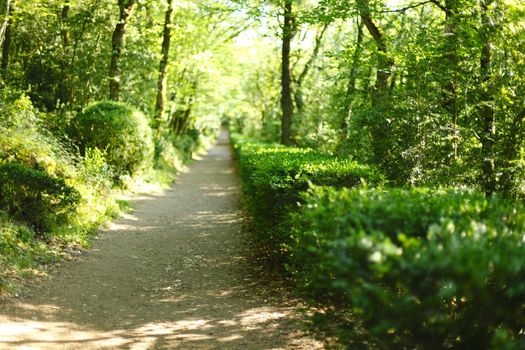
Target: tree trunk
6, 45
379, 127
64, 89
384, 62
286, 80
486, 112
511, 152
161, 86
181, 118
126, 9
6, 8
66, 38
352, 81
450, 98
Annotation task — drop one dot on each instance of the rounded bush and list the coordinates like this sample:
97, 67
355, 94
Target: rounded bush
34, 197
117, 129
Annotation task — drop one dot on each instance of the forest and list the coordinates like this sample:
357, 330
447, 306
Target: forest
380, 144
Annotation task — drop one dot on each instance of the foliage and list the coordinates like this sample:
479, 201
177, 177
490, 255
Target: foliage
173, 151
19, 251
430, 93
119, 130
274, 176
24, 138
55, 58
34, 197
429, 269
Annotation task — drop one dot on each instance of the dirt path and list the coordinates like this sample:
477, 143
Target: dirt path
171, 275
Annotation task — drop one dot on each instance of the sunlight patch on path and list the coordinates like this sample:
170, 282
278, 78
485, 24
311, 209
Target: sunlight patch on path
18, 333
174, 274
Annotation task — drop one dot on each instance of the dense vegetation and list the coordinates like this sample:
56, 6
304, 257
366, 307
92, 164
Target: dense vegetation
274, 176
425, 98
415, 267
380, 144
419, 267
93, 103
430, 92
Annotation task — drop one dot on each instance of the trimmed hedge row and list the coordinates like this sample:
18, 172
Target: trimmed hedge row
423, 269
420, 268
273, 178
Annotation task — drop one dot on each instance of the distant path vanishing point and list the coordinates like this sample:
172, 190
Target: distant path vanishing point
171, 275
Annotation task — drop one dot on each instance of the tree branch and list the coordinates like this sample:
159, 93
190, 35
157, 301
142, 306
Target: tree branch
315, 53
438, 4
413, 6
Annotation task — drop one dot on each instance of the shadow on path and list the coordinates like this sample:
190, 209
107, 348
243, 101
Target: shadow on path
171, 275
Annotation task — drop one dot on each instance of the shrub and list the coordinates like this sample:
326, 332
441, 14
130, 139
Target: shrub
119, 130
168, 157
274, 176
185, 144
15, 250
429, 269
34, 197
94, 171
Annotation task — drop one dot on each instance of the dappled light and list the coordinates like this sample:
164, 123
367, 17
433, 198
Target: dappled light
170, 274
256, 174
203, 330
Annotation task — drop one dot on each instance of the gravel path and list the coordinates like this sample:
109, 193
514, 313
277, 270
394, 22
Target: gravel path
171, 275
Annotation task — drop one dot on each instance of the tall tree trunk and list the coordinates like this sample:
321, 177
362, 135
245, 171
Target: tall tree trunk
6, 44
161, 86
379, 127
66, 37
450, 98
286, 80
486, 112
6, 8
181, 115
352, 81
126, 9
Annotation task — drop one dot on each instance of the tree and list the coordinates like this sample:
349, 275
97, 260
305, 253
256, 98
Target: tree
288, 32
163, 67
486, 112
380, 129
5, 37
298, 82
64, 93
352, 81
126, 8
6, 8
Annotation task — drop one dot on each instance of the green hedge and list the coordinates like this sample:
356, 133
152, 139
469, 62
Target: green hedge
117, 129
35, 198
424, 269
274, 176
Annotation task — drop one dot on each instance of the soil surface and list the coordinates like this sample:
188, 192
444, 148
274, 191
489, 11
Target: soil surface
174, 274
